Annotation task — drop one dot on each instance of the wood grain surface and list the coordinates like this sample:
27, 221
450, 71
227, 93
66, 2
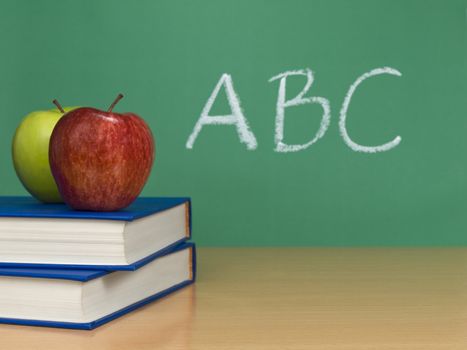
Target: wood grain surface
292, 298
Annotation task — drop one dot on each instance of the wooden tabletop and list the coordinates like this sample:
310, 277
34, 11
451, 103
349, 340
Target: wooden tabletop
292, 298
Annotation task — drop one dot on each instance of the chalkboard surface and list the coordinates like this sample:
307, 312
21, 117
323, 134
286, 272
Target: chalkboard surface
380, 160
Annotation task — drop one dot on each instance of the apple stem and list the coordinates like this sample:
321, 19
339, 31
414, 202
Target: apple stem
59, 106
118, 98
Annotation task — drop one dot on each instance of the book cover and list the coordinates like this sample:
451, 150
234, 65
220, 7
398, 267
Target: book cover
22, 206
28, 207
84, 276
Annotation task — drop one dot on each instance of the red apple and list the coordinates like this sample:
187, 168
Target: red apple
100, 160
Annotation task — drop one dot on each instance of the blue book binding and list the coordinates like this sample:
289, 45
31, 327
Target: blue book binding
84, 275
28, 207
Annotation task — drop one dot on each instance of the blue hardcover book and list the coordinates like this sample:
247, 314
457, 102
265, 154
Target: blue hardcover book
86, 299
34, 234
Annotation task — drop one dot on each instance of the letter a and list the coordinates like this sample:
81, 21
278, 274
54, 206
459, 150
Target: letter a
236, 118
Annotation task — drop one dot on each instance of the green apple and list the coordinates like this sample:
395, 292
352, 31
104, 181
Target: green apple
30, 151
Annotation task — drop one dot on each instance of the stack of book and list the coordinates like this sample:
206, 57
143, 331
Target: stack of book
77, 269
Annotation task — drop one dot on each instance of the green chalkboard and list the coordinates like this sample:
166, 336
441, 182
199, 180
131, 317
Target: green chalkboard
167, 58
